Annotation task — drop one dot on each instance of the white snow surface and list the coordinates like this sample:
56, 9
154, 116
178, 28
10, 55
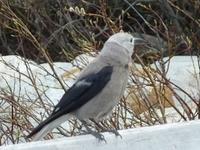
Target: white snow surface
176, 136
20, 74
184, 71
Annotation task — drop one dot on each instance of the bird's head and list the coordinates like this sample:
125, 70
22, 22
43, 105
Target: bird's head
125, 40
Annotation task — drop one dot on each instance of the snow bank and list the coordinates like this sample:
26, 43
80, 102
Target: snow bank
183, 78
184, 71
19, 75
177, 136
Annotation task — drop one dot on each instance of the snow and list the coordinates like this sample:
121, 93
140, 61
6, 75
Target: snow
176, 136
184, 72
18, 73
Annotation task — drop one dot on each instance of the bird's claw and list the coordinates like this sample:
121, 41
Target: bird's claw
97, 135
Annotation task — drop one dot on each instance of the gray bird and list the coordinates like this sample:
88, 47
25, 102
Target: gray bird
98, 88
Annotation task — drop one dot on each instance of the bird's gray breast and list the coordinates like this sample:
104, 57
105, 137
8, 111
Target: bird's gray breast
102, 104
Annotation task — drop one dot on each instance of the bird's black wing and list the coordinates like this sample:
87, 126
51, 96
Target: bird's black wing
79, 94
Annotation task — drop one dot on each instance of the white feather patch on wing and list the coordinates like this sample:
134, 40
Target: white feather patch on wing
83, 83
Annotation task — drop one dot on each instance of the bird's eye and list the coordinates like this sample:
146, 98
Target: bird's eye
131, 40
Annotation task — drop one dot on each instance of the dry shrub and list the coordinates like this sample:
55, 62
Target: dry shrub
47, 31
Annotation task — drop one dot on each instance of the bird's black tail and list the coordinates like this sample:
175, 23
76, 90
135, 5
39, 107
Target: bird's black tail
47, 125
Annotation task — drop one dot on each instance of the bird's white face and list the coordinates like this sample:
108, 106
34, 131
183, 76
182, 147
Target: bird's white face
125, 40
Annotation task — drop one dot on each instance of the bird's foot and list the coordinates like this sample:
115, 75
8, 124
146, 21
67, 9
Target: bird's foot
97, 135
104, 129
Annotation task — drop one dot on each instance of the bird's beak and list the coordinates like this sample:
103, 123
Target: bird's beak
139, 41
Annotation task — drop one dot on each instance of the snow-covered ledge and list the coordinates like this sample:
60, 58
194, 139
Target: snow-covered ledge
177, 136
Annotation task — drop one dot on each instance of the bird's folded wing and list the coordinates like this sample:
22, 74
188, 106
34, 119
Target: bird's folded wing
79, 94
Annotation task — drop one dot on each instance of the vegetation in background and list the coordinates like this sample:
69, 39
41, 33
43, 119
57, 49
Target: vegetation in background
67, 28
